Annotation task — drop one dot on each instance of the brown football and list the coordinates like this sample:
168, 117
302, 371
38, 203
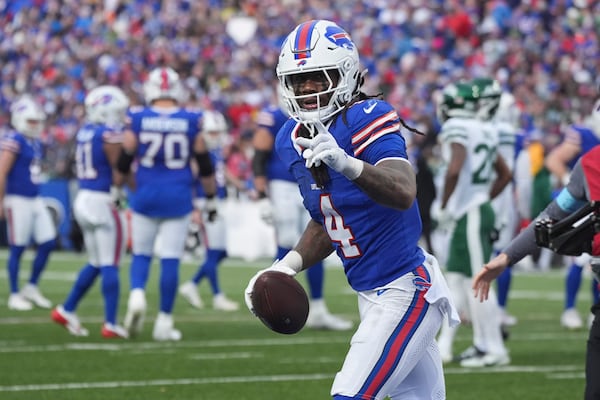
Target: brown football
280, 302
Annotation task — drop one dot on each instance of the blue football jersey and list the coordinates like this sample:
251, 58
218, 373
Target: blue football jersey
94, 171
376, 244
218, 161
582, 136
272, 119
164, 178
24, 177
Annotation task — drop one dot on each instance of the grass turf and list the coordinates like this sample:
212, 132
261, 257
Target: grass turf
232, 356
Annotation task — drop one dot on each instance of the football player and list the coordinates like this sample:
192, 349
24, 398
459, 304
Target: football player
214, 129
95, 209
583, 186
505, 121
473, 173
162, 138
346, 152
280, 204
26, 214
578, 140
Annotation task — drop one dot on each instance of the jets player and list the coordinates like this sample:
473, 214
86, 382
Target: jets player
349, 159
26, 215
162, 138
214, 130
505, 121
281, 205
98, 147
470, 161
578, 140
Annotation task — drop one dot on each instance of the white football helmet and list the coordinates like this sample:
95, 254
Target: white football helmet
106, 105
318, 47
508, 111
214, 129
163, 83
27, 117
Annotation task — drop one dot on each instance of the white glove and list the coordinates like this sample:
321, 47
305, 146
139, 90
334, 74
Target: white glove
265, 210
278, 265
442, 217
323, 148
118, 197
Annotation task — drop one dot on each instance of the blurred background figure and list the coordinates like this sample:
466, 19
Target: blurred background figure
162, 138
26, 214
473, 174
506, 122
281, 204
96, 209
213, 227
578, 139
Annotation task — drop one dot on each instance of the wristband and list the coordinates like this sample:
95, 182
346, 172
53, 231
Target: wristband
354, 167
292, 259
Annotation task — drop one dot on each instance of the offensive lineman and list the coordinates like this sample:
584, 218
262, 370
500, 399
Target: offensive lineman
162, 138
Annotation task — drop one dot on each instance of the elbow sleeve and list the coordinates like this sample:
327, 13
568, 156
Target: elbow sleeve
205, 164
124, 162
259, 162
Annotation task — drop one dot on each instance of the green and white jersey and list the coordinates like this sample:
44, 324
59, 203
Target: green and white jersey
507, 142
477, 175
504, 204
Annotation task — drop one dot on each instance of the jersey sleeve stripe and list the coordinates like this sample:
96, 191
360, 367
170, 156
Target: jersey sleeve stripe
372, 138
112, 137
265, 119
10, 145
375, 125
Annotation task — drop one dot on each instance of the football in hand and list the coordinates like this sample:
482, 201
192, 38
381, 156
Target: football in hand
280, 302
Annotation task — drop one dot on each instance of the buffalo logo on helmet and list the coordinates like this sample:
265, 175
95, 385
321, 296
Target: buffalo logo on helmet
339, 37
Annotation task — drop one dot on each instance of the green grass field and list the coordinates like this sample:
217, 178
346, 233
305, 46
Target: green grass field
232, 356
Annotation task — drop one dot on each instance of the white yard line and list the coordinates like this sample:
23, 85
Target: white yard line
555, 372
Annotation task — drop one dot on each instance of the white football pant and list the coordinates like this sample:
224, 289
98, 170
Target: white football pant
289, 215
102, 226
27, 218
169, 233
393, 352
214, 234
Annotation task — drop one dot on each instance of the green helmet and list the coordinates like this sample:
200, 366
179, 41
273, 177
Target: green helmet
488, 91
457, 100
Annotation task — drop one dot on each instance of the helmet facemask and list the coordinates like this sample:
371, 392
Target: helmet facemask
312, 95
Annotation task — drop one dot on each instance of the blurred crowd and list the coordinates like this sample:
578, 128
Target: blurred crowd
545, 52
